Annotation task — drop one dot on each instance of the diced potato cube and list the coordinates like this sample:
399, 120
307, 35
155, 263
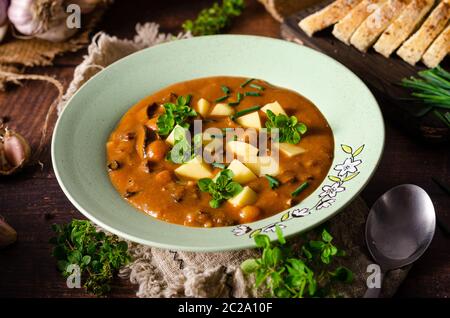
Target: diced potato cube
288, 149
241, 173
251, 120
194, 169
211, 134
244, 151
246, 197
222, 109
275, 107
213, 151
264, 165
171, 138
203, 107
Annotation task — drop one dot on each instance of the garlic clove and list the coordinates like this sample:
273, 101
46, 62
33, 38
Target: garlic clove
7, 234
44, 19
14, 151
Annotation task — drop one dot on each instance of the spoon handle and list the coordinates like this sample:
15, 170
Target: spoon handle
374, 292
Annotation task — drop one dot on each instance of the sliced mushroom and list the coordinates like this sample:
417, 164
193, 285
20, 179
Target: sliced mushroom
151, 110
144, 137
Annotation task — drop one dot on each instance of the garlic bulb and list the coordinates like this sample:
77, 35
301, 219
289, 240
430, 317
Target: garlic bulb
45, 19
14, 151
7, 234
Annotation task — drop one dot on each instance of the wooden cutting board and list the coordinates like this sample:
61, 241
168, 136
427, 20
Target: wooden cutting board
381, 75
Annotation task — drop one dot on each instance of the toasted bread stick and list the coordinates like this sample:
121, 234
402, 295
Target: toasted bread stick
369, 31
438, 49
403, 26
344, 29
327, 16
412, 50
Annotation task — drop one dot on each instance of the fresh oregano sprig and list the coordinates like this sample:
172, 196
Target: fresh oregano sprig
222, 188
215, 19
290, 129
287, 273
176, 113
99, 256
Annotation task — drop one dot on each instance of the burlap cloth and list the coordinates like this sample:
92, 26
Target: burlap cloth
165, 273
17, 55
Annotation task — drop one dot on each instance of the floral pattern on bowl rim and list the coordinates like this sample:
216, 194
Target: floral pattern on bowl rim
346, 171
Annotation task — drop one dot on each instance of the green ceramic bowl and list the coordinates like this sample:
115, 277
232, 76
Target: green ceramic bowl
78, 146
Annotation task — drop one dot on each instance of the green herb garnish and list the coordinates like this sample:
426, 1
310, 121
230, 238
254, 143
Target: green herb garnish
238, 100
273, 182
99, 256
175, 114
245, 111
258, 87
223, 188
281, 272
214, 19
300, 188
247, 82
221, 98
218, 165
252, 94
225, 89
290, 130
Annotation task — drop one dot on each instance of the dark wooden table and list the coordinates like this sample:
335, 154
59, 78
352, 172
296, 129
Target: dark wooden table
32, 200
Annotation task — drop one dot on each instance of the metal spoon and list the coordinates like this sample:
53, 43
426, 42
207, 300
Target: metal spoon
399, 229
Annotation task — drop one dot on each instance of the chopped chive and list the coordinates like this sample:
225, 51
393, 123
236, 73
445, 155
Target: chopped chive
273, 182
225, 89
246, 111
221, 98
258, 87
252, 94
302, 187
239, 98
247, 82
218, 165
227, 129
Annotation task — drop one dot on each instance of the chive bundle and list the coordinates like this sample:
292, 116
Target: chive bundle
433, 89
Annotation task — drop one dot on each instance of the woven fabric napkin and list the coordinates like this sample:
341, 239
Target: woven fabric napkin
166, 273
